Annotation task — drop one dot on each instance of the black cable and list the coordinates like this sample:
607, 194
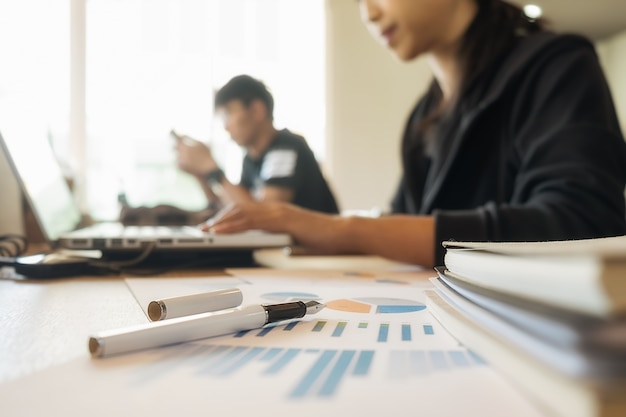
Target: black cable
13, 245
116, 266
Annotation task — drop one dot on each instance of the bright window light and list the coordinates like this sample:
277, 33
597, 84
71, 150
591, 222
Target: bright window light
156, 69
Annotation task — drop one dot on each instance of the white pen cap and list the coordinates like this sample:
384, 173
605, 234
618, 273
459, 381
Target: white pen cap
187, 305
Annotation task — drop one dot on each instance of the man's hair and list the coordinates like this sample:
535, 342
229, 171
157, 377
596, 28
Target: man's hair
247, 89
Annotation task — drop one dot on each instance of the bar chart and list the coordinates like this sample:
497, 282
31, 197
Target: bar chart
326, 370
336, 329
331, 356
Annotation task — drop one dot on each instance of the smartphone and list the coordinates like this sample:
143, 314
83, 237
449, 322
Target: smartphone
184, 138
176, 135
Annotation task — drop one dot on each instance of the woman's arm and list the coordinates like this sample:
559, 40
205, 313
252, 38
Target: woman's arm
402, 238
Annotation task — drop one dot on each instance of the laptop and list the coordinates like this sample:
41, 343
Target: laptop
56, 211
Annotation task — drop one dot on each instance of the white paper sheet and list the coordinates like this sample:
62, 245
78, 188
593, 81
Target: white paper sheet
374, 351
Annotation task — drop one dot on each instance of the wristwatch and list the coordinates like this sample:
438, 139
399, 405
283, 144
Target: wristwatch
214, 177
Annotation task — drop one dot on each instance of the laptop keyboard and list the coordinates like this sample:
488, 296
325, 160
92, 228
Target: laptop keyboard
117, 230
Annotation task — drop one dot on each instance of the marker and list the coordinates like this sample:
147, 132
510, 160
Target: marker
187, 305
199, 326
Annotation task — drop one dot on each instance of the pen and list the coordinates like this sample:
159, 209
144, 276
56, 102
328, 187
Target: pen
168, 308
199, 326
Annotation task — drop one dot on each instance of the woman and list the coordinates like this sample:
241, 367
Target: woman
517, 139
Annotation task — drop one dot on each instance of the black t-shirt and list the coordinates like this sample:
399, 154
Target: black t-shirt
289, 162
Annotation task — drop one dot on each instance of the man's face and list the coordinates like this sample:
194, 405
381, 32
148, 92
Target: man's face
239, 121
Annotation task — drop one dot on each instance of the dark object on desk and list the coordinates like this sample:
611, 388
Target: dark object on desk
60, 265
161, 261
52, 265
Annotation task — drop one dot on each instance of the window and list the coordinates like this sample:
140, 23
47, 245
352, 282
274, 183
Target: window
34, 74
153, 65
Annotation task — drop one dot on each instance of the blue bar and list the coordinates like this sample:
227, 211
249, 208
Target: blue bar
363, 325
336, 374
477, 359
213, 356
241, 333
458, 358
398, 309
363, 363
281, 362
428, 329
418, 364
438, 359
383, 332
406, 332
339, 329
265, 331
251, 354
319, 326
316, 370
290, 326
200, 356
225, 361
270, 354
398, 364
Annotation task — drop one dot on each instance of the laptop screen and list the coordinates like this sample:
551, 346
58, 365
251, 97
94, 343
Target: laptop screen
38, 172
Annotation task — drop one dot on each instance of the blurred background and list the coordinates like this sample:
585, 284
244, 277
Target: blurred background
111, 78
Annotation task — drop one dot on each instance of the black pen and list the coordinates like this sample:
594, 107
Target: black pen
199, 326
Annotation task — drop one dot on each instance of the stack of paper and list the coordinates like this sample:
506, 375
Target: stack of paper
549, 315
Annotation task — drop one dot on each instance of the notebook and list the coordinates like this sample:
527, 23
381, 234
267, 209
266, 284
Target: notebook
56, 211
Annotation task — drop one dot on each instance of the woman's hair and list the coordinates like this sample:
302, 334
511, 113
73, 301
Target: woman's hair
496, 27
494, 30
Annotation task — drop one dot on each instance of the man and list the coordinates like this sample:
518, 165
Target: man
278, 165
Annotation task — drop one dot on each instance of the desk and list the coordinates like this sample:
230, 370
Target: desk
45, 327
46, 323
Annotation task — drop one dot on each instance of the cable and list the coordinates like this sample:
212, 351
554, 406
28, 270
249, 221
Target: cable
13, 245
116, 266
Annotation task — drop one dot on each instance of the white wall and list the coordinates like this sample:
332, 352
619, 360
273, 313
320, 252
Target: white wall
612, 54
369, 97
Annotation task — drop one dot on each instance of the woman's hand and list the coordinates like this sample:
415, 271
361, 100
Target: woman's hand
308, 228
268, 216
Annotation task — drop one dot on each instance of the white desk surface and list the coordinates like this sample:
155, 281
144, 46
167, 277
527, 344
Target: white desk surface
47, 323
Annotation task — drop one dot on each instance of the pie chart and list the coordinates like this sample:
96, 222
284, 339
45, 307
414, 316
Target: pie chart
375, 305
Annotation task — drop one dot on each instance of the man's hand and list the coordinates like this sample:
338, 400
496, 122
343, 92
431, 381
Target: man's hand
194, 157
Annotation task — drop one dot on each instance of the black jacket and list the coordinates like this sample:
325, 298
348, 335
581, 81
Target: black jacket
535, 152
